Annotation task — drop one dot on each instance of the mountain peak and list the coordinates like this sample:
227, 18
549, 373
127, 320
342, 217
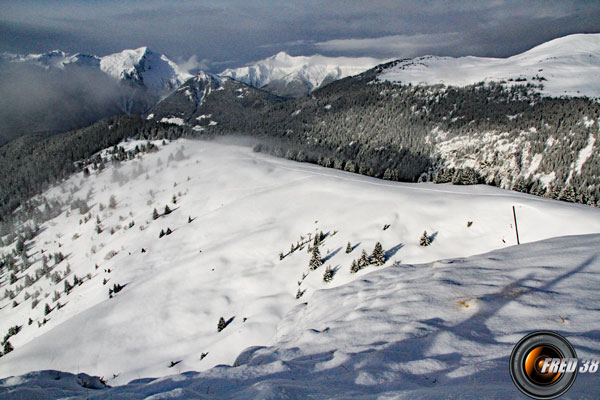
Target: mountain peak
282, 55
294, 76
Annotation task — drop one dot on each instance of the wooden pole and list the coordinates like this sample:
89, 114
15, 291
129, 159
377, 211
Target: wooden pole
516, 228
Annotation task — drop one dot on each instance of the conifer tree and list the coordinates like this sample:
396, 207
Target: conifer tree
67, 286
316, 240
221, 325
155, 214
425, 240
7, 347
315, 261
169, 231
378, 256
348, 248
20, 245
363, 261
354, 268
47, 309
161, 234
328, 275
167, 210
112, 202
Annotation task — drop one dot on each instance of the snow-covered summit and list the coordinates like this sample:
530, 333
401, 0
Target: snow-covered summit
567, 66
306, 73
154, 71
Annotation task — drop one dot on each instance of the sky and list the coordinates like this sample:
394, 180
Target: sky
214, 35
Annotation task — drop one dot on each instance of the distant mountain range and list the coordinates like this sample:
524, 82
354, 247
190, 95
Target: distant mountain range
290, 76
54, 92
153, 72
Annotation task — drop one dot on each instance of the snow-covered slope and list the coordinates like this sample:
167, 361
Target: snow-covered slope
567, 66
430, 331
287, 75
234, 211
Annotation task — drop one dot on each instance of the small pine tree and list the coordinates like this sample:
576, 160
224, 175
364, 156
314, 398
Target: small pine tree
315, 261
280, 256
378, 256
363, 261
328, 275
425, 240
221, 325
169, 231
67, 286
354, 268
20, 245
47, 309
155, 214
13, 278
161, 234
7, 347
167, 210
349, 248
189, 220
299, 293
30, 321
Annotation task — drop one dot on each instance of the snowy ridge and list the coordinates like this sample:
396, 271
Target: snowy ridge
309, 71
234, 212
567, 66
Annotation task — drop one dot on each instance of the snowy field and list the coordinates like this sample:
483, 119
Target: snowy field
413, 328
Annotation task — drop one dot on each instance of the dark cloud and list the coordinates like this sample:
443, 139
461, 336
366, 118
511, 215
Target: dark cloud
230, 33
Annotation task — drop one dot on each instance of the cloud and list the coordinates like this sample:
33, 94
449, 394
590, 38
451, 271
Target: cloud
399, 46
291, 43
192, 65
235, 32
